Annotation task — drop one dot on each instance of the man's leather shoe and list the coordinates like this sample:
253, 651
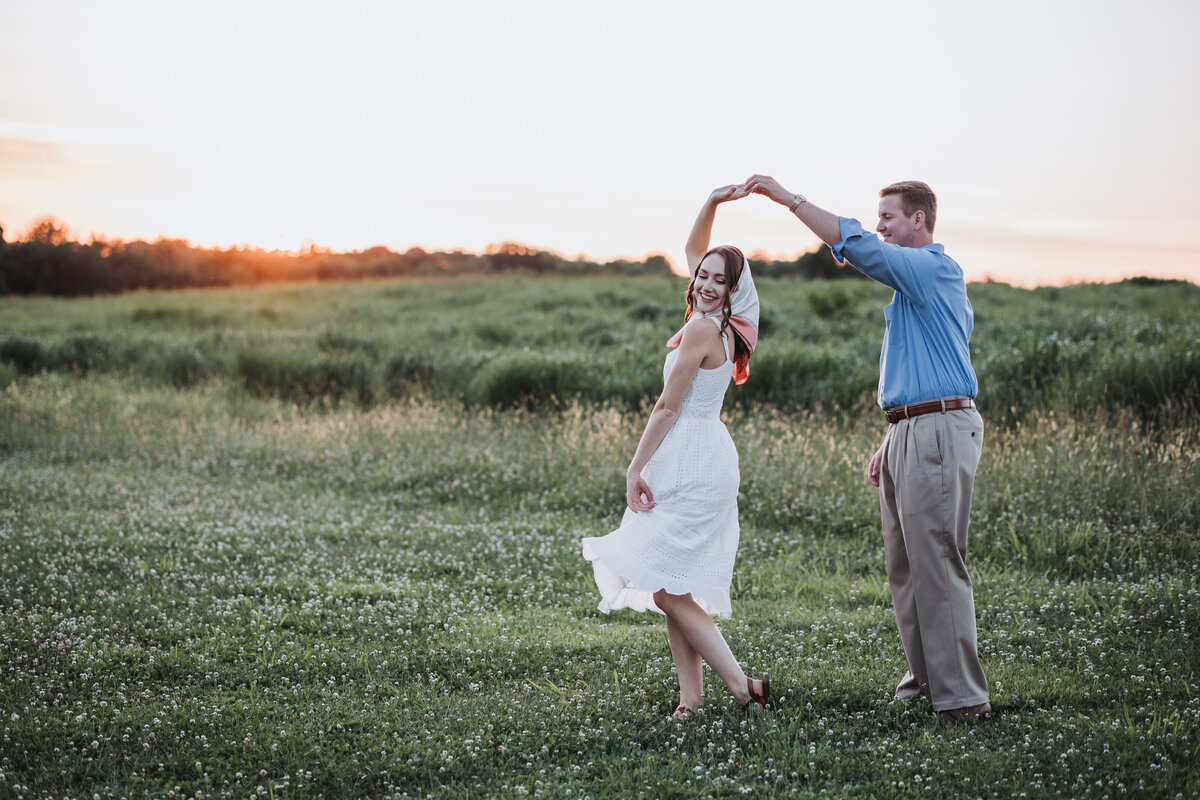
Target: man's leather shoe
954, 715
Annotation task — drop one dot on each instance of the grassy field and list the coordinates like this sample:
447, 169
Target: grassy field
322, 540
541, 342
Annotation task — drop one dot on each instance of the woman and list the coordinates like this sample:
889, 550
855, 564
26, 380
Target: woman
675, 548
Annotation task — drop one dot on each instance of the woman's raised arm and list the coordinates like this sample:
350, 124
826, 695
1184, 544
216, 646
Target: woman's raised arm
697, 243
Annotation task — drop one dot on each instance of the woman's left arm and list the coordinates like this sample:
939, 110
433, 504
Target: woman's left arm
699, 337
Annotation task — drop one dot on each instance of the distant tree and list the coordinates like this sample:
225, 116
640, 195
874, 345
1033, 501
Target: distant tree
48, 230
1147, 280
818, 264
657, 263
512, 256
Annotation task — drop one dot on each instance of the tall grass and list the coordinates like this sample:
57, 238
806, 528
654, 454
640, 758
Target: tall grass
506, 341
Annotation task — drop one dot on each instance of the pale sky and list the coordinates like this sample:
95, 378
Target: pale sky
1060, 137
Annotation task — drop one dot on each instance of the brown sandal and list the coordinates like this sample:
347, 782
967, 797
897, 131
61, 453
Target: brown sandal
756, 698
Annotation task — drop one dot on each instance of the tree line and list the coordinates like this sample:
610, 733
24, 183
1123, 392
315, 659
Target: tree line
48, 261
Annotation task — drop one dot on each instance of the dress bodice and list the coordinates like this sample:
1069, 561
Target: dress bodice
707, 392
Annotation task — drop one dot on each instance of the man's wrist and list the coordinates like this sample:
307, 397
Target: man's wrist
797, 200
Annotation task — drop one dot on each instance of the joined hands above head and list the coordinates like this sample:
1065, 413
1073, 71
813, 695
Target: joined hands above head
755, 184
766, 185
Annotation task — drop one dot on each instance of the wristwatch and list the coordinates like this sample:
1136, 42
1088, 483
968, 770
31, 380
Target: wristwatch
796, 201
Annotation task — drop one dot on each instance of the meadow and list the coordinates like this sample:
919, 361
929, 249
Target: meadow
322, 540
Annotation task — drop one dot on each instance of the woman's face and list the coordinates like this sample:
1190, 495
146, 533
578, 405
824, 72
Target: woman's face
710, 287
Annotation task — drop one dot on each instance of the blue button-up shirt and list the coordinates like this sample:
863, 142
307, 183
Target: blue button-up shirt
926, 346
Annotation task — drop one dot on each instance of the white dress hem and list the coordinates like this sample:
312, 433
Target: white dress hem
633, 587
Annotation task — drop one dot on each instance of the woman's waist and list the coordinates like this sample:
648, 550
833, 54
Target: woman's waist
712, 416
704, 427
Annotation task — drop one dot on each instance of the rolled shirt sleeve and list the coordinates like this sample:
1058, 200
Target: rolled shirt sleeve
926, 344
888, 264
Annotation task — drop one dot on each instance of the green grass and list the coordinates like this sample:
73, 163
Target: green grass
206, 590
542, 343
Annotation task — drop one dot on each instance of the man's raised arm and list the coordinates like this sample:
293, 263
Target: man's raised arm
819, 221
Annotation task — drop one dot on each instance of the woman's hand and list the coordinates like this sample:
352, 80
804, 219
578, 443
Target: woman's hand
637, 493
734, 191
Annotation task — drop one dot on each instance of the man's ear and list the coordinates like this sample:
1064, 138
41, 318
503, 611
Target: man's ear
919, 219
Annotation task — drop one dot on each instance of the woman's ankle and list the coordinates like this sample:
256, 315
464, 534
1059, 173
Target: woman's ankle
740, 690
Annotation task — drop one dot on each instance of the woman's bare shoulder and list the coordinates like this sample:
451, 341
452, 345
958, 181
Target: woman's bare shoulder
701, 330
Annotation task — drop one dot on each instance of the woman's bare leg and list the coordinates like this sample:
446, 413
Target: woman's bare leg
704, 638
688, 665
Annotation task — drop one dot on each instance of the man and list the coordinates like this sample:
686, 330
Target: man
925, 468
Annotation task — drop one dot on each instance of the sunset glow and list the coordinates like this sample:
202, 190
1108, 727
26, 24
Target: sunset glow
598, 130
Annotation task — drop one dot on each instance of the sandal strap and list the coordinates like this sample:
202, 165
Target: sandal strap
761, 697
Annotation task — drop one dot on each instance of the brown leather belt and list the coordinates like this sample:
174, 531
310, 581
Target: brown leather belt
898, 413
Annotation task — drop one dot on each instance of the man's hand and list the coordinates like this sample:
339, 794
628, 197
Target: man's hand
734, 191
824, 224
765, 184
873, 467
637, 494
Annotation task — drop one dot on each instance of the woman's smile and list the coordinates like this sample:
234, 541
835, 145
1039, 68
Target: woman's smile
709, 286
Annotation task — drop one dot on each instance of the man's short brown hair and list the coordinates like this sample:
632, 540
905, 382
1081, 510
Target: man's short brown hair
915, 196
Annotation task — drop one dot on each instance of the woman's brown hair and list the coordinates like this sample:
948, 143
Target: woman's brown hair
734, 263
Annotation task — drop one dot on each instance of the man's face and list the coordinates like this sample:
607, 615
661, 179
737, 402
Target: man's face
893, 226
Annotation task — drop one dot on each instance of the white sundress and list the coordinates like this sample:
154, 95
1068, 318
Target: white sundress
689, 540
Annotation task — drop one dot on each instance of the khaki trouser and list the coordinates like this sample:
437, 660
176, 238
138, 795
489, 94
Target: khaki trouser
927, 474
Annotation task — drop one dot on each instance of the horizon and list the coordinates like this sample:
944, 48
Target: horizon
575, 132
312, 249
